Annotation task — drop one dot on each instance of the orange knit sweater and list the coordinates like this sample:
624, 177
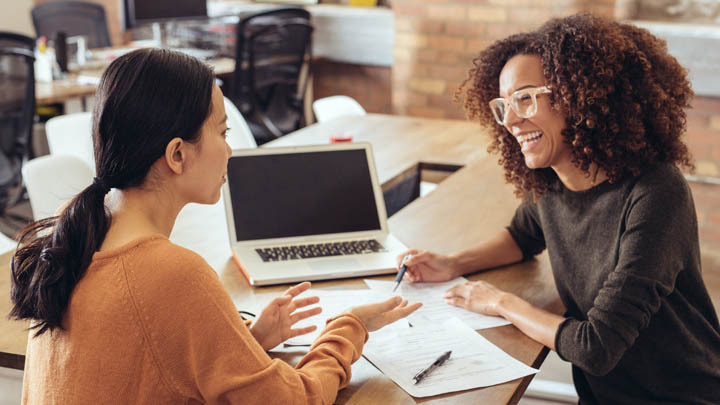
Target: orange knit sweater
151, 323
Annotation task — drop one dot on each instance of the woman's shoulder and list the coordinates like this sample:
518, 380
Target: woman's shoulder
663, 190
156, 258
662, 179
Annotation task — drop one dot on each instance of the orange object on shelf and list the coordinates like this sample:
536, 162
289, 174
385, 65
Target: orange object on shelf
336, 138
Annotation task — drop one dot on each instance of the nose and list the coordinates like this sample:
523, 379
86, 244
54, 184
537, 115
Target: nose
228, 149
511, 119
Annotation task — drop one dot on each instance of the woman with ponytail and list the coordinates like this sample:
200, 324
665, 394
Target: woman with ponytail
118, 313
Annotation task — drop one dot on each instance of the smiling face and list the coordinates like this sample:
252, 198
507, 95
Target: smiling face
540, 136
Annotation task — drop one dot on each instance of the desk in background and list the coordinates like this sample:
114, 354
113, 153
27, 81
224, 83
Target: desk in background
59, 91
466, 208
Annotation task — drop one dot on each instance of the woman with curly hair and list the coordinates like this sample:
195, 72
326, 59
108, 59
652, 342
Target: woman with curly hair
587, 117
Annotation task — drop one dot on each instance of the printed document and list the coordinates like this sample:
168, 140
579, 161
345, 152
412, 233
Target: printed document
400, 352
435, 309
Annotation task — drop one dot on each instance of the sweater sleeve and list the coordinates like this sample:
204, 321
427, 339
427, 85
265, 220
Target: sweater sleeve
203, 349
655, 246
525, 229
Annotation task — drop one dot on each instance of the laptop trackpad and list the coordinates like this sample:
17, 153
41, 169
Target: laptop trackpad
331, 266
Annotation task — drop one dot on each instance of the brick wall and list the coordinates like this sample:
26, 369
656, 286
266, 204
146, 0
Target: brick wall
436, 40
369, 85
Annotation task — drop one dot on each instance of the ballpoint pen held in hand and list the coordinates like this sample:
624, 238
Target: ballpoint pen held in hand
437, 363
401, 273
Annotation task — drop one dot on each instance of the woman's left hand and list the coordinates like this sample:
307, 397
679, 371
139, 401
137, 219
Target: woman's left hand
274, 325
476, 296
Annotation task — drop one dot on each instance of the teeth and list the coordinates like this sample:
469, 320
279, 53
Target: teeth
529, 136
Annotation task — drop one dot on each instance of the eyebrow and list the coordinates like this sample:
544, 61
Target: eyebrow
525, 87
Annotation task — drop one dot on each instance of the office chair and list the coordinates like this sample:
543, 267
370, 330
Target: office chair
52, 180
71, 134
17, 112
272, 66
72, 18
331, 107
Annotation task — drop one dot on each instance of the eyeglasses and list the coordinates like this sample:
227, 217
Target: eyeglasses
523, 102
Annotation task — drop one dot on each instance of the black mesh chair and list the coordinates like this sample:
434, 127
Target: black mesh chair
272, 67
72, 18
17, 111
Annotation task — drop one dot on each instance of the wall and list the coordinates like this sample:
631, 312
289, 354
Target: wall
436, 40
15, 17
369, 85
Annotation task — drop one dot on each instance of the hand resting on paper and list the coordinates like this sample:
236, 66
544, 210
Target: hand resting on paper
274, 325
476, 296
375, 316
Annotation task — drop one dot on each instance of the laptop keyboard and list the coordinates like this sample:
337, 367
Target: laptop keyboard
355, 247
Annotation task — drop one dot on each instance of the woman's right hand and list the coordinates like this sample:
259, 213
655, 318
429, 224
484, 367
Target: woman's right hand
380, 314
428, 267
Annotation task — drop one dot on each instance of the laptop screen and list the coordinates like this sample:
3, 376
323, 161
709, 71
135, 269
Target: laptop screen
300, 194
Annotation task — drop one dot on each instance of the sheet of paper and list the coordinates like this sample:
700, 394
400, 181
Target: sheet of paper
435, 309
332, 302
400, 352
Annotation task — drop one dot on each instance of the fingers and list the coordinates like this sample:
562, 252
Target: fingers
299, 316
401, 312
386, 305
302, 331
461, 290
457, 301
400, 258
298, 289
303, 302
280, 301
418, 257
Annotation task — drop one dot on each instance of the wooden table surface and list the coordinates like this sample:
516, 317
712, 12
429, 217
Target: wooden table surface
467, 207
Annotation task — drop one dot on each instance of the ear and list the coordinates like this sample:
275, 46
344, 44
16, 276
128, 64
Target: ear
176, 155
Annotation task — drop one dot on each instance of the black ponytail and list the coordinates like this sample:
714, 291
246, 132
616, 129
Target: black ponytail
145, 99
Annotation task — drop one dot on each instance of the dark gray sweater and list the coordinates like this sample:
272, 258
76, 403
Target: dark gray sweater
640, 325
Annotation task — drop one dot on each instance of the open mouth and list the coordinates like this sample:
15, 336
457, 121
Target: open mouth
529, 138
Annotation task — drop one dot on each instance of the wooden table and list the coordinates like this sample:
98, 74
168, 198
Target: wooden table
59, 91
466, 208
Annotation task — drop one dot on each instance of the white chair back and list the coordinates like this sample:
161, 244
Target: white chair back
332, 107
71, 134
52, 180
239, 136
7, 244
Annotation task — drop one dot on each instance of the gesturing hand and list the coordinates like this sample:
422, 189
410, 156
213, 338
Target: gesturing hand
377, 315
477, 296
274, 325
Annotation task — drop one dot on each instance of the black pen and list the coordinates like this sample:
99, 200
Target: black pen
401, 273
437, 363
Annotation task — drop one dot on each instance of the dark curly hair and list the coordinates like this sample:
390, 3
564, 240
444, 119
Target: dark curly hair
622, 94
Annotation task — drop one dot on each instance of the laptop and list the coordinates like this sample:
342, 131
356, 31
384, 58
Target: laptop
307, 213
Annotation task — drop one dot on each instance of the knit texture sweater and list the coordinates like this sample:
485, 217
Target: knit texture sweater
640, 327
151, 323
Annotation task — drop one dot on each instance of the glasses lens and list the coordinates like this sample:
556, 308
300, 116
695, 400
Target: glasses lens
524, 104
498, 109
